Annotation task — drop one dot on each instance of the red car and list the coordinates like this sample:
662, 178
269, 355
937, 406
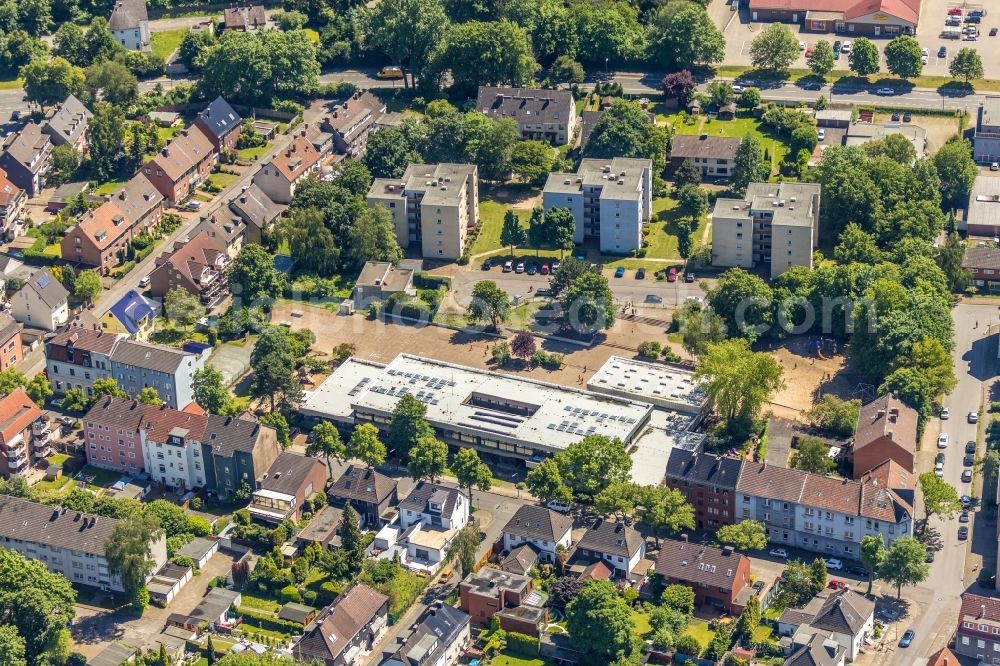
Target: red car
672, 274
955, 11
809, 52
836, 585
545, 269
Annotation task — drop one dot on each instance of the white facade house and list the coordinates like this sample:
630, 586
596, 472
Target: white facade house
279, 177
543, 528
176, 459
429, 520
129, 24
41, 303
435, 505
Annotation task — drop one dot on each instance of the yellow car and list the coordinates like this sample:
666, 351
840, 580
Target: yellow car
390, 73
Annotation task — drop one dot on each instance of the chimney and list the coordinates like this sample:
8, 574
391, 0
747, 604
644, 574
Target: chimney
982, 612
684, 537
357, 95
727, 551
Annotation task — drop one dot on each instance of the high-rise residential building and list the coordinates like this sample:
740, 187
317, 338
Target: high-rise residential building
610, 200
775, 227
433, 206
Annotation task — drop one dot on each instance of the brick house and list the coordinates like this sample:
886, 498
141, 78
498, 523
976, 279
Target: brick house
197, 266
11, 351
720, 577
352, 121
101, 239
708, 483
221, 124
181, 165
288, 483
370, 493
886, 430
489, 591
346, 631
27, 159
12, 201
984, 265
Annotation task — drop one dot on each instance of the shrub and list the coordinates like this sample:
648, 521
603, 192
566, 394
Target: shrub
688, 645
670, 356
649, 349
290, 593
522, 644
425, 281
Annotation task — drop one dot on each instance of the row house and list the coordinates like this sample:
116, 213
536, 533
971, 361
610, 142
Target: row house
27, 159
439, 638
182, 164
237, 451
42, 302
11, 351
12, 202
720, 577
258, 211
352, 121
221, 124
345, 632
197, 265
71, 543
886, 430
817, 513
137, 365
978, 633
77, 357
17, 415
544, 115
112, 434
67, 125
224, 227
103, 236
279, 177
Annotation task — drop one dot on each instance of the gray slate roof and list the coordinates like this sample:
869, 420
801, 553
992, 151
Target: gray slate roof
526, 105
362, 484
256, 207
26, 144
227, 435
49, 289
288, 472
149, 357
219, 117
612, 538
537, 522
844, 613
703, 468
69, 121
127, 15
820, 651
59, 528
421, 495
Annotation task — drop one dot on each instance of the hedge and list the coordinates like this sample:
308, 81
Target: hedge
522, 644
425, 281
269, 622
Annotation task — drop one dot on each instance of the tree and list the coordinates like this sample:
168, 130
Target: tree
749, 165
489, 303
210, 657
957, 171
835, 415
407, 425
11, 379
751, 98
37, 605
365, 445
750, 617
427, 458
69, 44
532, 162
471, 471
744, 301
130, 556
744, 535
39, 390
75, 400
619, 498
523, 345
872, 555
108, 386
351, 540
967, 64
589, 466
512, 233
685, 36
545, 482
940, 497
12, 646
65, 162
194, 49
813, 455
821, 60
687, 174
903, 57
950, 258
49, 82
720, 93
326, 442
210, 391
278, 421
101, 44
589, 304
252, 276
775, 48
149, 396
564, 590
663, 507
857, 246
699, 326
625, 130
392, 149
112, 82
372, 237
88, 285
105, 138
679, 86
180, 306
566, 70
692, 202
738, 381
680, 598
599, 623
464, 548
250, 67
905, 563
561, 228
863, 59
406, 31
486, 53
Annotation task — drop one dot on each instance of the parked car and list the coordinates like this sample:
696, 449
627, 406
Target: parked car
923, 60
846, 48
969, 460
955, 11
885, 91
943, 441
802, 46
970, 447
193, 205
929, 557
939, 470
907, 117
672, 274
779, 553
966, 476
970, 37
895, 116
561, 507
619, 272
964, 516
943, 52
939, 458
963, 533
758, 587
545, 269
809, 51
555, 266
144, 281
973, 18
488, 264
532, 269
993, 32
821, 134
965, 500
508, 266
907, 638
837, 585
390, 72
973, 417
640, 274
945, 413
689, 277
995, 166
834, 563
519, 268
836, 46
860, 572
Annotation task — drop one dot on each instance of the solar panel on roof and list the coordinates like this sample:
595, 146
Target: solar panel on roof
43, 281
561, 427
552, 426
568, 408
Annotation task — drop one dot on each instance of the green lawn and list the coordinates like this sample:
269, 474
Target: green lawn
54, 251
59, 484
100, 477
269, 605
511, 659
251, 154
168, 133
762, 633
700, 631
108, 187
491, 215
223, 180
166, 42
845, 76
57, 459
744, 124
641, 623
12, 84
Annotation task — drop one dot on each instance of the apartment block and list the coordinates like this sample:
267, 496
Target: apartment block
610, 201
17, 415
433, 206
544, 115
77, 357
67, 542
112, 433
774, 227
137, 365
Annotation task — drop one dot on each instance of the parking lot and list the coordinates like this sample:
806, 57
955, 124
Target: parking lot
740, 32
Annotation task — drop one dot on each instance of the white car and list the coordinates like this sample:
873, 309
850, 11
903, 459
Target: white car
802, 46
833, 563
778, 552
973, 417
923, 60
945, 413
737, 88
885, 91
943, 441
995, 166
144, 281
846, 48
519, 268
821, 133
924, 52
939, 469
561, 507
